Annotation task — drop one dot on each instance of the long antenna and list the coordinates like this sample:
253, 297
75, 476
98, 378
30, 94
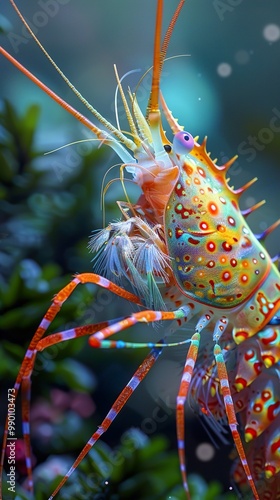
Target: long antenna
160, 53
117, 133
153, 105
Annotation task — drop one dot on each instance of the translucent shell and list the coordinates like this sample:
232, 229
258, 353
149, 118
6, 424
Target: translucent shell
216, 258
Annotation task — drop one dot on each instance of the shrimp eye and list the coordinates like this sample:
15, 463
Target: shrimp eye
167, 148
183, 143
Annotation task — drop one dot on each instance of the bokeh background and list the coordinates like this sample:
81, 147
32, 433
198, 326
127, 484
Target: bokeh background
225, 85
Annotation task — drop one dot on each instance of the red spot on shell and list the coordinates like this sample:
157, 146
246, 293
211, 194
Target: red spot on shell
249, 354
193, 241
266, 395
241, 381
211, 246
226, 276
184, 212
250, 430
233, 262
187, 285
257, 408
271, 339
179, 189
201, 171
203, 225
271, 413
188, 168
242, 334
178, 232
239, 403
258, 367
213, 209
226, 246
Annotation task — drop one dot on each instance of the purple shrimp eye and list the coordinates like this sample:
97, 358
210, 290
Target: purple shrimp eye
183, 143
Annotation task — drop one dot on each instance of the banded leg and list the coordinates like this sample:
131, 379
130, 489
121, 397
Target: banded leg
181, 399
203, 321
229, 407
103, 329
128, 390
28, 361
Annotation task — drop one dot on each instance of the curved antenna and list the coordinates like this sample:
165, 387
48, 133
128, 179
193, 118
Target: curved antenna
128, 143
119, 89
170, 30
103, 136
73, 143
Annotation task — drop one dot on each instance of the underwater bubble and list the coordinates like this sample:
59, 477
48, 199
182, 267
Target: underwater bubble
271, 32
205, 452
224, 70
242, 57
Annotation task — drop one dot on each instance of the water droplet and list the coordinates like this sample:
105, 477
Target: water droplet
224, 70
271, 32
205, 452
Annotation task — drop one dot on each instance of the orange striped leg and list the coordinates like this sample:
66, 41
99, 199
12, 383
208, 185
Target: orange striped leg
224, 384
138, 376
28, 361
72, 333
181, 399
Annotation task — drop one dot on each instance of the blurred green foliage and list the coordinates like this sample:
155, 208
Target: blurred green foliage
138, 467
45, 221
